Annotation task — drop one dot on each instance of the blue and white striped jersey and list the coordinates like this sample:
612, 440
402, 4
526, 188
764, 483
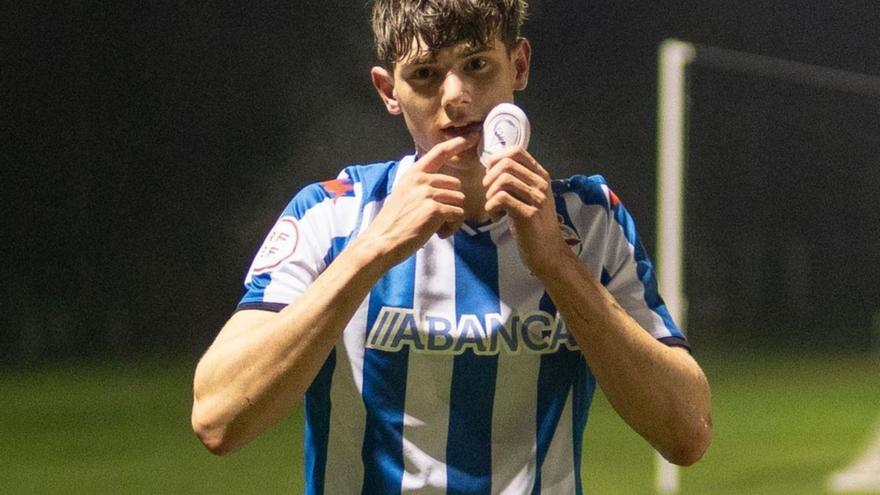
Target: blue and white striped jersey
456, 374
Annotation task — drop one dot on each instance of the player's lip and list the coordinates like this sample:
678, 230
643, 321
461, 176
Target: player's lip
461, 128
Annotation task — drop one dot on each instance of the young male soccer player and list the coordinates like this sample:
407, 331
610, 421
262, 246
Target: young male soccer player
446, 321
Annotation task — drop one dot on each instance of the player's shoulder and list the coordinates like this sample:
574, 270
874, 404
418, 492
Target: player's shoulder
360, 181
590, 190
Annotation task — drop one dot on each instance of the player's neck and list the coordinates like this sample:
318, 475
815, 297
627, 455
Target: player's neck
471, 177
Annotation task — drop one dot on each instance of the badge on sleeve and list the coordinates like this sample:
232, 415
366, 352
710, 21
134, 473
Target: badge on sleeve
570, 236
278, 246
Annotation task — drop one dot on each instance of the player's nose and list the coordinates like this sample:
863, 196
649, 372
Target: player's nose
456, 91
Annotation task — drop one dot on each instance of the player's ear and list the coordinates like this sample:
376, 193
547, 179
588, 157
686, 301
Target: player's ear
383, 81
521, 56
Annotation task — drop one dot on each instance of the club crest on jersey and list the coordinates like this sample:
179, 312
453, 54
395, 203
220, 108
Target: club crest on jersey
279, 245
570, 236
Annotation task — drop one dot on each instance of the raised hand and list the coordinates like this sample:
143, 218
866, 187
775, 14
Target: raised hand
516, 184
422, 203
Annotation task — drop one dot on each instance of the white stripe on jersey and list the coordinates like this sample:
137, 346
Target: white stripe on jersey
557, 473
513, 466
426, 415
347, 413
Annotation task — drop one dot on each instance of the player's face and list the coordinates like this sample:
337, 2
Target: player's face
449, 92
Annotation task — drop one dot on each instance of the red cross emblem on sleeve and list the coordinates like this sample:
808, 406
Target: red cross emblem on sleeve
338, 188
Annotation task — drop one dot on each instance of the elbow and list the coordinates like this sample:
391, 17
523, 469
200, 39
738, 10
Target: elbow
692, 428
213, 434
691, 446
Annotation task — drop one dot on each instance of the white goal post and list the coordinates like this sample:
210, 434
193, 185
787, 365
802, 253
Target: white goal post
674, 58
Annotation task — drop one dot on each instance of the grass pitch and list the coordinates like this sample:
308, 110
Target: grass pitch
782, 423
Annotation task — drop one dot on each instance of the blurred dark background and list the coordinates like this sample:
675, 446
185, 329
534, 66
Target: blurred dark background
148, 148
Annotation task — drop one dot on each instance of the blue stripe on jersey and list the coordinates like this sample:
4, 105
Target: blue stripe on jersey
589, 189
337, 244
556, 377
317, 427
376, 181
582, 395
468, 447
550, 387
384, 389
254, 290
376, 178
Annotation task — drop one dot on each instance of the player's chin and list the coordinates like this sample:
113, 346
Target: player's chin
465, 159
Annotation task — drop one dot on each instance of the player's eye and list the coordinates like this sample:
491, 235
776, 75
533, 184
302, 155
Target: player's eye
476, 64
422, 73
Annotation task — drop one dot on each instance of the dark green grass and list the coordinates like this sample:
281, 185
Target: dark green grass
782, 423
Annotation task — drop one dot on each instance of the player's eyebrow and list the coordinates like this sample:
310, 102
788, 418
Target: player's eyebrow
473, 50
427, 57
430, 56
470, 50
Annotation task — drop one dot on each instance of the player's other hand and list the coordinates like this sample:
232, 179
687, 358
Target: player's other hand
423, 202
516, 184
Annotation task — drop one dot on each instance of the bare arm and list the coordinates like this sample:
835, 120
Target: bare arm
660, 391
261, 362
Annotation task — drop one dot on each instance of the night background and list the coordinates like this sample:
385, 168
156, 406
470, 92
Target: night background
148, 147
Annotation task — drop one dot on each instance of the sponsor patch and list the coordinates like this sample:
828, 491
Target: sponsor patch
279, 245
535, 332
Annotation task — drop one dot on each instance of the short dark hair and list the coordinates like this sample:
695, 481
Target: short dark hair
443, 23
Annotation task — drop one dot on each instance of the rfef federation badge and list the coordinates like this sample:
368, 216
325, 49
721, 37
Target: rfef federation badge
280, 245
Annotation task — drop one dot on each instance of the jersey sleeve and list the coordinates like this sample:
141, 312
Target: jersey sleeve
306, 237
626, 269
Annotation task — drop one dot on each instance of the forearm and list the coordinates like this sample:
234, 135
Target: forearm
659, 391
262, 363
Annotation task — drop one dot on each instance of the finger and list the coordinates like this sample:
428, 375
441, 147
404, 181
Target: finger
514, 168
518, 154
521, 191
504, 202
442, 152
443, 181
446, 196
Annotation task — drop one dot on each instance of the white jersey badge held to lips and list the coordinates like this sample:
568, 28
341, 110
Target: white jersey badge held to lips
506, 125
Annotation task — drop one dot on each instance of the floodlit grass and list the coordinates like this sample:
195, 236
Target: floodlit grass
124, 428
782, 423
